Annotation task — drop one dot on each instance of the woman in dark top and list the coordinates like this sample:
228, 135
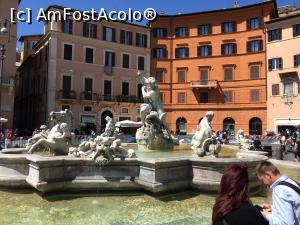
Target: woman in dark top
233, 206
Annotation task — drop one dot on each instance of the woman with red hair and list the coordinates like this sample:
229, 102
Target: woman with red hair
233, 206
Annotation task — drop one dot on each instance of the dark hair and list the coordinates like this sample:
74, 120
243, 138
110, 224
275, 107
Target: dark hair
233, 192
266, 166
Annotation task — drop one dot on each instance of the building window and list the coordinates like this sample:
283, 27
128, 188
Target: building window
124, 110
288, 88
254, 95
68, 52
125, 88
181, 97
255, 46
228, 96
107, 89
109, 34
159, 76
64, 107
203, 97
228, 27
254, 72
109, 61
125, 61
87, 108
89, 55
89, 30
88, 89
274, 35
228, 73
66, 86
159, 53
204, 50
296, 30
141, 40
254, 23
275, 64
159, 32
181, 52
181, 76
204, 74
141, 63
228, 49
275, 89
182, 32
297, 60
126, 37
67, 26
204, 29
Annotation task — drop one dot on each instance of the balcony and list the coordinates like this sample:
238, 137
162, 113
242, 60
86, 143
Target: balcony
88, 95
204, 84
121, 98
66, 95
108, 70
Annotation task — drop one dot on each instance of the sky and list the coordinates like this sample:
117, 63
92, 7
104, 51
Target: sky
168, 6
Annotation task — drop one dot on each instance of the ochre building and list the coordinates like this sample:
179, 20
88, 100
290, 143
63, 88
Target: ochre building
216, 61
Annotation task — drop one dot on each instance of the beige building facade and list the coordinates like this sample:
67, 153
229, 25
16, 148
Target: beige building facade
8, 40
89, 68
283, 84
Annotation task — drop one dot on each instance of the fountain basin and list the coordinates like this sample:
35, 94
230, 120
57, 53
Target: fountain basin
157, 176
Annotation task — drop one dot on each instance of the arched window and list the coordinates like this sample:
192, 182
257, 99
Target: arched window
228, 125
181, 126
255, 126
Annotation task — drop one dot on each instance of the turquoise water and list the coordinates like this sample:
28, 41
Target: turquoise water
186, 208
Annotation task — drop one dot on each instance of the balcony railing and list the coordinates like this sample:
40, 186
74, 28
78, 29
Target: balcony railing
121, 98
108, 70
62, 94
87, 95
204, 84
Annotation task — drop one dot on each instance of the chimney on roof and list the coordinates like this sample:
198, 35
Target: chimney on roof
236, 4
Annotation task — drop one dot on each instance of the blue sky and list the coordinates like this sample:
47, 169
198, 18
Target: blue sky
168, 6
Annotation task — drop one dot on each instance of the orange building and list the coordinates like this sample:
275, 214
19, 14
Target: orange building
216, 61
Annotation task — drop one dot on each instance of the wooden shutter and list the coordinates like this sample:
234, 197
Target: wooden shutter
234, 48
154, 53
106, 58
104, 33
145, 41
248, 24
296, 60
260, 22
280, 33
234, 26
130, 38
137, 39
186, 52
248, 46
71, 27
209, 29
199, 51
280, 63
62, 23
223, 49
95, 31
113, 34
122, 32
270, 64
275, 89
209, 50
223, 27
269, 36
176, 52
165, 32
261, 47
154, 32
165, 53
294, 30
113, 59
84, 33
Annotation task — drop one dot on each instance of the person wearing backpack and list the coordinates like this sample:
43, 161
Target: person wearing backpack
285, 209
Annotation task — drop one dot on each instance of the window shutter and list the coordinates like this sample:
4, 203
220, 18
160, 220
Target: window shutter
130, 38
199, 51
234, 24
234, 48
280, 63
296, 60
176, 31
106, 58
248, 46
95, 31
260, 22
269, 36
187, 32
186, 52
261, 47
146, 41
209, 50
223, 49
165, 53
209, 29
248, 24
71, 27
84, 33
154, 32
62, 22
270, 64
165, 32
176, 52
137, 39
104, 33
113, 34
280, 34
154, 53
113, 59
275, 89
122, 36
